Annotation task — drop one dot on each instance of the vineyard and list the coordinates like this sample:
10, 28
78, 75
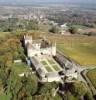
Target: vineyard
80, 48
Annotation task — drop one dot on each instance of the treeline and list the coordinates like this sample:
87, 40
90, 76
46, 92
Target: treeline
80, 17
13, 24
11, 49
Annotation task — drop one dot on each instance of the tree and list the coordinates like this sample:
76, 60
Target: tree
46, 97
88, 96
69, 96
30, 84
32, 25
54, 29
1, 87
73, 30
78, 89
47, 88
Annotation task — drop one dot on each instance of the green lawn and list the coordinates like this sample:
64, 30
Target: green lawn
92, 76
4, 34
44, 63
51, 61
52, 64
4, 97
48, 69
56, 67
83, 53
79, 26
20, 68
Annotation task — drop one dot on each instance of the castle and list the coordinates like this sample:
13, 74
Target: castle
41, 53
39, 47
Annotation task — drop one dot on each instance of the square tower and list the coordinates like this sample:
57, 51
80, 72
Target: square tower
27, 40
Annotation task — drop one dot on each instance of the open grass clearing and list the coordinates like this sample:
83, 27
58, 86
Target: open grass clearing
83, 54
20, 68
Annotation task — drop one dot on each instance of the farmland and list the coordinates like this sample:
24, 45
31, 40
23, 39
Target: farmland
82, 49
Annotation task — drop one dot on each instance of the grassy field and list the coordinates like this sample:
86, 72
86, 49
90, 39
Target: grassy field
79, 26
84, 54
4, 97
20, 68
4, 34
80, 48
92, 76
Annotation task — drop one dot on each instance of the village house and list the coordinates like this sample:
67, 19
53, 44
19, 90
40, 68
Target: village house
64, 29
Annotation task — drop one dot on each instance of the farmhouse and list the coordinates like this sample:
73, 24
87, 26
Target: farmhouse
64, 29
41, 53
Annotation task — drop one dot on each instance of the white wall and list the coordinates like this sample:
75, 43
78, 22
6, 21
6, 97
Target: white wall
73, 75
46, 51
32, 53
37, 46
51, 79
54, 50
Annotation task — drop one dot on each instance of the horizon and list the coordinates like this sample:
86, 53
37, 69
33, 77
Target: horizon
31, 2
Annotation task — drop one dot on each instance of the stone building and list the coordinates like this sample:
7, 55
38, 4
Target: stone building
39, 47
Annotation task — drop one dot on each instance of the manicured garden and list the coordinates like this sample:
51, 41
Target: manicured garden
51, 61
50, 65
49, 69
56, 67
44, 62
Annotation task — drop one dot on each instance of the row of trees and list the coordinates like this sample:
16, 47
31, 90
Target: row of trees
13, 24
73, 16
13, 86
56, 29
11, 49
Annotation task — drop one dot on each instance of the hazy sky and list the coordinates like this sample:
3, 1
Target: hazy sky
30, 1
